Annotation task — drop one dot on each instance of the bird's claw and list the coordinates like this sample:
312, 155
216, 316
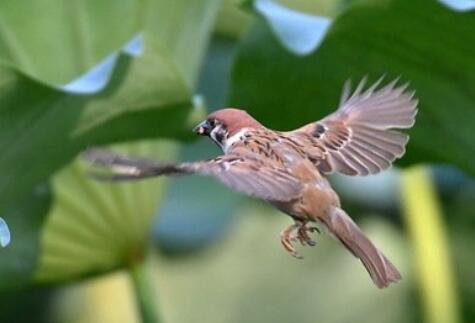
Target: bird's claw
304, 238
287, 238
297, 232
313, 229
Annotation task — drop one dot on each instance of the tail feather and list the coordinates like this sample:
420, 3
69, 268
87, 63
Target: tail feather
381, 270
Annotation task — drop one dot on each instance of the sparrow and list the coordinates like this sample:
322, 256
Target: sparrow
289, 169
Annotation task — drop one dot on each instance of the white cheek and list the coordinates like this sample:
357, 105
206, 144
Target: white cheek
233, 139
212, 134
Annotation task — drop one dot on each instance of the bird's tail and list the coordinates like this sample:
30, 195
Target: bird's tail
381, 270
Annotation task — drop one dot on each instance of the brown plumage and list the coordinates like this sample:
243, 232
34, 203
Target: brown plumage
289, 169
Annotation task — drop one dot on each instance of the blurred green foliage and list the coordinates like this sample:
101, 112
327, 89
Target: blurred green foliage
220, 260
45, 126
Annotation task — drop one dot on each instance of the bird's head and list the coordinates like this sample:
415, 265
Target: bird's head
225, 125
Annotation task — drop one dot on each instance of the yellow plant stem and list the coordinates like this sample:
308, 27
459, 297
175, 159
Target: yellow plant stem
432, 259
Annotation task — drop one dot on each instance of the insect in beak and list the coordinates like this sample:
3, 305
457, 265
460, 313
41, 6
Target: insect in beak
203, 129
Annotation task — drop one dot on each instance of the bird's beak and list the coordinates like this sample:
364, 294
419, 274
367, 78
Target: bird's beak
202, 129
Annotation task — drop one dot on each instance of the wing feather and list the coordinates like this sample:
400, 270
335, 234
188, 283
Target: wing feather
252, 176
247, 174
359, 138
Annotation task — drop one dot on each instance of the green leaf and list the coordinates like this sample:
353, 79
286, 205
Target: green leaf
67, 38
147, 94
18, 261
47, 127
193, 21
424, 42
232, 20
95, 226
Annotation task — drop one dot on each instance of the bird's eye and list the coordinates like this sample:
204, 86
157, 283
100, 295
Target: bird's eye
212, 123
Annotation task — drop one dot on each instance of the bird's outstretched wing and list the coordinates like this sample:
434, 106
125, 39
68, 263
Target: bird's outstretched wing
247, 174
358, 139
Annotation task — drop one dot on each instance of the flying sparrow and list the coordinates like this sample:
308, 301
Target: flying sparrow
289, 169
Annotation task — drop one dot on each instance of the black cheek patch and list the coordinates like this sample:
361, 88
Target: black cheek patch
220, 135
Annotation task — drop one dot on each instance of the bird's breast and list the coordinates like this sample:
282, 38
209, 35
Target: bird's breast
316, 198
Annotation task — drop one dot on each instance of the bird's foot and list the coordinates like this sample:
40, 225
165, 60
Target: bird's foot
303, 236
297, 232
287, 238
